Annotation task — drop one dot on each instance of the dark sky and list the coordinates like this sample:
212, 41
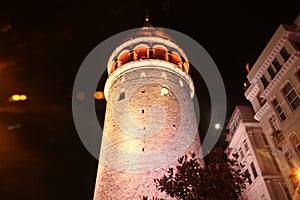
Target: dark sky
42, 45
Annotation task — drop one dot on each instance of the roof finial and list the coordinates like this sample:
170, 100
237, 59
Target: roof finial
147, 23
146, 16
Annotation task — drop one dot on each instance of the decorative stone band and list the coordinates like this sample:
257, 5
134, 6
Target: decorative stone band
252, 93
158, 64
271, 56
285, 68
170, 47
251, 124
262, 111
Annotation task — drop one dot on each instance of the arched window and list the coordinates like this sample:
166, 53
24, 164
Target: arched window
176, 59
141, 51
123, 58
160, 52
165, 91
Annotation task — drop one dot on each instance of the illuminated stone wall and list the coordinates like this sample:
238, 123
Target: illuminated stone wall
149, 123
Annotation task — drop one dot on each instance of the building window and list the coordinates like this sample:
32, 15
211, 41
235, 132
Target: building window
276, 64
289, 158
298, 74
285, 55
264, 81
248, 176
270, 155
296, 143
273, 123
261, 100
253, 170
246, 145
272, 71
274, 68
264, 139
297, 44
278, 109
291, 96
241, 152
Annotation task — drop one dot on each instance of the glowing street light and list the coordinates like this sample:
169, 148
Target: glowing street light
18, 97
217, 126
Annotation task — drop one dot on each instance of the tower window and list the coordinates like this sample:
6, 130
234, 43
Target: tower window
165, 91
164, 76
143, 75
291, 96
122, 96
143, 110
123, 80
180, 83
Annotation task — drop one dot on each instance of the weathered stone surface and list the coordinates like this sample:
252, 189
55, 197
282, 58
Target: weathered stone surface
145, 132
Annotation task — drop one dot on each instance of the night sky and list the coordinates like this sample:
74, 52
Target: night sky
42, 45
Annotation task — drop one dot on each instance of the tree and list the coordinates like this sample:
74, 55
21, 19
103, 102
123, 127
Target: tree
221, 178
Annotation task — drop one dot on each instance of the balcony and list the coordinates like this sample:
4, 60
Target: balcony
278, 139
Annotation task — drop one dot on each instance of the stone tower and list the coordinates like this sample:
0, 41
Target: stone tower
150, 120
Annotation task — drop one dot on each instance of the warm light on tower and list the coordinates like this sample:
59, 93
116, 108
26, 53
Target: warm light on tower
149, 120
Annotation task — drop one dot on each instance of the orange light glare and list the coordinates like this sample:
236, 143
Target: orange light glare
23, 97
15, 97
18, 97
99, 95
298, 174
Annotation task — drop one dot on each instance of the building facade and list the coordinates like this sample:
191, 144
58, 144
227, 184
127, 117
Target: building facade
273, 88
247, 139
150, 120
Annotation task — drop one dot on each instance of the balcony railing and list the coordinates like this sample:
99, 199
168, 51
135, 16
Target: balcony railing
278, 139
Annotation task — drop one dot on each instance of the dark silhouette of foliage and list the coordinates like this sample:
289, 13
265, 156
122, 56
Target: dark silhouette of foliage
219, 179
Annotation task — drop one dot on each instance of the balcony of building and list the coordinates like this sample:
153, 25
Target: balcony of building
278, 139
